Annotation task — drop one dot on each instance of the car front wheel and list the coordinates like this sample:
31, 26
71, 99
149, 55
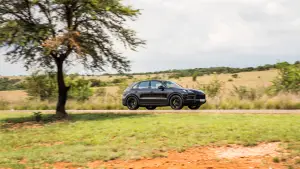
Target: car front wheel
176, 102
150, 107
194, 106
132, 103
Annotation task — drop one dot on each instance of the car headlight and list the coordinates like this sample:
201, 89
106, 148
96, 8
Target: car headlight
185, 91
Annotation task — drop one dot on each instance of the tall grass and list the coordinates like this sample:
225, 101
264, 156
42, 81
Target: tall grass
113, 102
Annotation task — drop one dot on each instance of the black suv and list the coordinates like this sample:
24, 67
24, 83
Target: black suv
154, 93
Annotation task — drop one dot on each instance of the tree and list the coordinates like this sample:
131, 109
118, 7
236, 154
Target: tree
194, 77
54, 33
288, 79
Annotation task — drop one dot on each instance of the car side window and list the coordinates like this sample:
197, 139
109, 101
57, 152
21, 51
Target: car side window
155, 84
135, 86
144, 85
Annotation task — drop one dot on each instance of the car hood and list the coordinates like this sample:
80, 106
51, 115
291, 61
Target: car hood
200, 92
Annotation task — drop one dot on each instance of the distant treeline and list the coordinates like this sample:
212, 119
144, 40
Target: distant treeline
208, 71
10, 84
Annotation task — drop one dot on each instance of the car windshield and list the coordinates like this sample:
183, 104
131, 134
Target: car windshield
170, 84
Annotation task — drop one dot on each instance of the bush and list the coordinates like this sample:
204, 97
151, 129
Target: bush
80, 89
242, 92
235, 75
195, 74
10, 84
116, 81
37, 116
174, 76
44, 86
288, 79
213, 88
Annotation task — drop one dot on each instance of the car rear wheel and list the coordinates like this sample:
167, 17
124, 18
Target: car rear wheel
176, 102
150, 107
132, 103
194, 106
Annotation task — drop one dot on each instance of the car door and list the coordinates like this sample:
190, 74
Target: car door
144, 92
158, 96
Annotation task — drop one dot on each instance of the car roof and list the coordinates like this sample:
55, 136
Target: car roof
151, 80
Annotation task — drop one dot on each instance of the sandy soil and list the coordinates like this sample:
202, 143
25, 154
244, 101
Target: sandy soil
229, 157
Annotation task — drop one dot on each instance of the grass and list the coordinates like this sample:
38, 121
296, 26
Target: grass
89, 137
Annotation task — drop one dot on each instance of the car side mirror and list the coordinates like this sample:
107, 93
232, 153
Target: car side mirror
161, 87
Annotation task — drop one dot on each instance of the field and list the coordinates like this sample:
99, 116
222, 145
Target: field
246, 90
250, 79
150, 140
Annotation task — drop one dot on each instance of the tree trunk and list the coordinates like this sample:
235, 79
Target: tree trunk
62, 91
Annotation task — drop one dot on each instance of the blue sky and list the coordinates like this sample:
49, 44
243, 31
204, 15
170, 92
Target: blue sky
205, 33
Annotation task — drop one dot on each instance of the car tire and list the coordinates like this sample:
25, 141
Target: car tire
132, 103
150, 107
194, 106
176, 102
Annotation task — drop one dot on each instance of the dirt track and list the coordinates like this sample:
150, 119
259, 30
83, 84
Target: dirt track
170, 111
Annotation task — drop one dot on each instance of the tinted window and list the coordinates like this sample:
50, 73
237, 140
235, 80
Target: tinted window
135, 86
170, 84
144, 85
155, 84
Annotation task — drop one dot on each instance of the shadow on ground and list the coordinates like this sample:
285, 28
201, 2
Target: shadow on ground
50, 118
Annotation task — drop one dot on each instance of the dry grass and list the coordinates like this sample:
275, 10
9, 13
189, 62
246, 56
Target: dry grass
13, 96
112, 99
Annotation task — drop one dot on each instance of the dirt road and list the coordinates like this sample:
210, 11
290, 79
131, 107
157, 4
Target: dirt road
170, 111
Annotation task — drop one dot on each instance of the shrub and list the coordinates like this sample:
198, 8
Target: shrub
230, 80
195, 74
174, 76
288, 79
80, 89
37, 116
213, 88
235, 75
116, 81
42, 86
242, 92
10, 84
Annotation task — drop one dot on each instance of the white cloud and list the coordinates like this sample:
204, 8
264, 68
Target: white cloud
203, 33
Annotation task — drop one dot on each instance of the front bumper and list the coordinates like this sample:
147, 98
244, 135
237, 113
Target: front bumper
191, 99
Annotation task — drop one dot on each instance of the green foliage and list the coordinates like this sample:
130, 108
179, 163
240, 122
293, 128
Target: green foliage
235, 75
288, 79
175, 76
175, 73
44, 86
276, 160
80, 88
195, 75
10, 84
88, 28
118, 80
213, 88
242, 92
37, 116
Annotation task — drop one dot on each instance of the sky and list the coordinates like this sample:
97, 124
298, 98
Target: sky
207, 33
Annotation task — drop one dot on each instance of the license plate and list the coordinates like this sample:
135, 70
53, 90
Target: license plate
202, 100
